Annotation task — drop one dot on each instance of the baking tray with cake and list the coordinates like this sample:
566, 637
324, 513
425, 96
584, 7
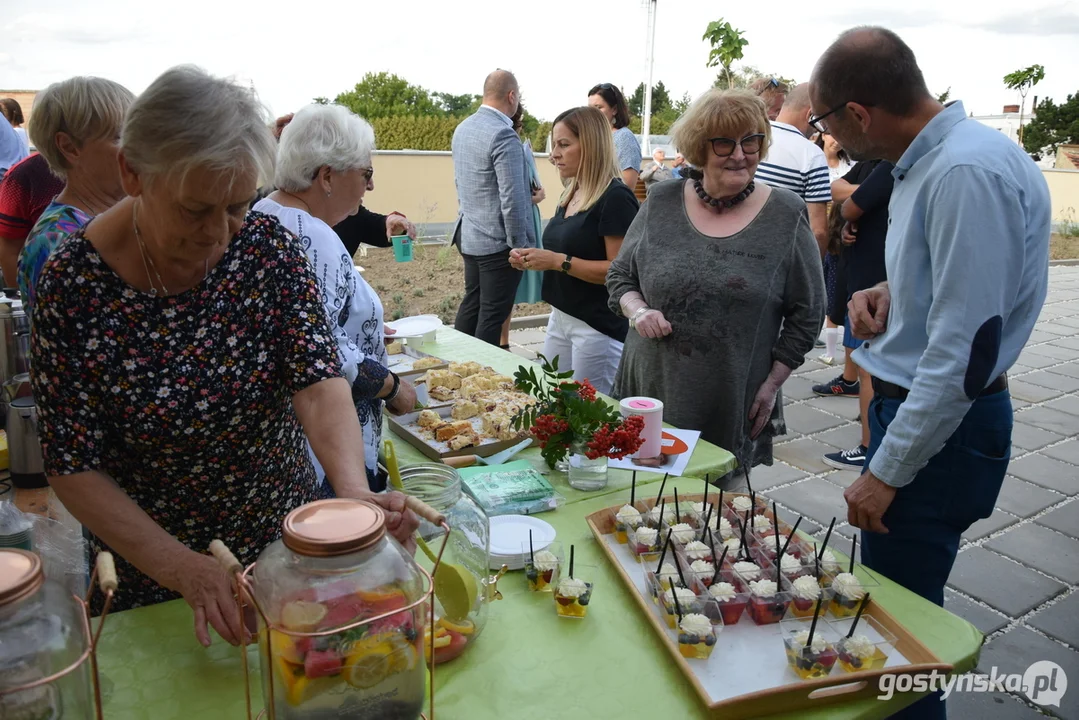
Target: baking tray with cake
407, 360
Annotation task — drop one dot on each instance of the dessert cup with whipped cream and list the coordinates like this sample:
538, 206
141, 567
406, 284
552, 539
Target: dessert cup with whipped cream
688, 602
541, 565
666, 578
572, 595
747, 571
697, 636
681, 533
867, 648
645, 543
847, 592
625, 518
727, 602
805, 592
696, 550
829, 565
809, 660
653, 520
768, 600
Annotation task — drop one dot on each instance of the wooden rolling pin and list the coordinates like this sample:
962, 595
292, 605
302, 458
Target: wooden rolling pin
461, 461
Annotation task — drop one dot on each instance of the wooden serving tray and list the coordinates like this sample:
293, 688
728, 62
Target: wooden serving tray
790, 694
405, 427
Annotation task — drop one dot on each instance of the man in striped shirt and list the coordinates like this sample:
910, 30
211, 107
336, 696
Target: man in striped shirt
797, 164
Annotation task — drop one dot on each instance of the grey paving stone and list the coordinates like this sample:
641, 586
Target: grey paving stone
822, 374
1058, 621
843, 478
529, 336
804, 453
1066, 320
989, 706
1052, 351
1047, 472
1042, 549
987, 621
1070, 343
1016, 650
780, 473
1032, 393
1067, 403
1046, 418
1066, 451
1064, 519
1001, 583
1070, 369
806, 420
987, 526
1040, 336
523, 352
1023, 499
817, 499
842, 437
798, 388
1031, 358
1018, 404
844, 407
1050, 379
1029, 437
1056, 329
1019, 369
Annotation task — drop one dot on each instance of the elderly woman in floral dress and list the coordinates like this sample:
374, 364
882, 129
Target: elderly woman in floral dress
181, 353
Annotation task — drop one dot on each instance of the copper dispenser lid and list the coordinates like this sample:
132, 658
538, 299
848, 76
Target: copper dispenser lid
339, 526
21, 575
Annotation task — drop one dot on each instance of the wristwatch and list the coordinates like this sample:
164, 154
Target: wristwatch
395, 389
566, 263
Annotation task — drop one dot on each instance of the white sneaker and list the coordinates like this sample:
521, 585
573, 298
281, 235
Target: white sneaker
827, 359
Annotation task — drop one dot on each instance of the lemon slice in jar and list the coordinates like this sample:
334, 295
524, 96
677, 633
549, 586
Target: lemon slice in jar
367, 666
302, 616
463, 627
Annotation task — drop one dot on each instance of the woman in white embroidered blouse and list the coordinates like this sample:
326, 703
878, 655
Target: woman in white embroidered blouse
323, 171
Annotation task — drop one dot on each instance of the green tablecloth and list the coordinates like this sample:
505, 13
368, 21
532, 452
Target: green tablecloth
458, 347
527, 664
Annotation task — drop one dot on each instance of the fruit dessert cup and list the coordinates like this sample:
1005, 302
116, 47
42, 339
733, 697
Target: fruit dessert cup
681, 533
688, 602
697, 636
664, 579
541, 565
702, 571
768, 601
644, 543
792, 568
805, 592
572, 595
720, 526
626, 518
652, 519
697, 550
847, 593
829, 565
727, 603
809, 660
747, 571
867, 648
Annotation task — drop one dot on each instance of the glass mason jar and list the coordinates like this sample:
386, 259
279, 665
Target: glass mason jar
586, 474
461, 610
43, 632
334, 567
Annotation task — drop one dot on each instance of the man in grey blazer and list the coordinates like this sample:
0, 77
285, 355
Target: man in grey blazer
494, 198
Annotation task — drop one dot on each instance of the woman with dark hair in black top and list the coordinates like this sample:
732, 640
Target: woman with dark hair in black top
610, 101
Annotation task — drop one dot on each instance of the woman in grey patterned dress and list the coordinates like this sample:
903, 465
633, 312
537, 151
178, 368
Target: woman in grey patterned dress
722, 283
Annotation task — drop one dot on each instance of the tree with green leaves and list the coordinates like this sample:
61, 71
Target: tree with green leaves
1053, 125
943, 97
745, 76
661, 99
680, 106
1022, 81
387, 95
726, 42
458, 105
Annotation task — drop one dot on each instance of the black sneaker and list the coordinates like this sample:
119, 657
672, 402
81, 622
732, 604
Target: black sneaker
819, 343
838, 387
852, 459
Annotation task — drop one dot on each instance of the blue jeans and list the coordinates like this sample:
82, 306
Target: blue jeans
958, 487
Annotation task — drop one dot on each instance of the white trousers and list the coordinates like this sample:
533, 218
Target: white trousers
589, 353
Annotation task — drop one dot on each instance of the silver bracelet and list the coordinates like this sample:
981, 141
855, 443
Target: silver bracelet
637, 315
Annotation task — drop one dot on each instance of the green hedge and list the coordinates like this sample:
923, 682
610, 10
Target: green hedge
404, 132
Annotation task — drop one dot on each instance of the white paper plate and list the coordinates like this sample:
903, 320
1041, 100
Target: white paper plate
509, 539
415, 326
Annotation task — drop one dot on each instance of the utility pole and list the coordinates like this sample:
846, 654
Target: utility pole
646, 121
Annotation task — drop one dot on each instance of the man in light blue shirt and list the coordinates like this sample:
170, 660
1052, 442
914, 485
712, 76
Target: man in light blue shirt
967, 256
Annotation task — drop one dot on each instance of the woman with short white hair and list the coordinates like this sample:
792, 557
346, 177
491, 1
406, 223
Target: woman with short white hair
181, 352
76, 128
323, 169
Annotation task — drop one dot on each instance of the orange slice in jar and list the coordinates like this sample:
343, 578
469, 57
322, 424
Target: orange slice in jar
368, 664
464, 627
302, 616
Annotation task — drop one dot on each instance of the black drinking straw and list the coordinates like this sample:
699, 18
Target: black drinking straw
719, 565
748, 486
633, 490
677, 605
705, 501
791, 536
712, 543
707, 519
816, 562
813, 626
826, 538
571, 562
776, 528
661, 486
742, 542
677, 512
531, 554
662, 511
853, 549
721, 500
678, 567
663, 554
861, 608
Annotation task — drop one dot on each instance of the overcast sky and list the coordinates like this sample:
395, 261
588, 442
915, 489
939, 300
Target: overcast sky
294, 51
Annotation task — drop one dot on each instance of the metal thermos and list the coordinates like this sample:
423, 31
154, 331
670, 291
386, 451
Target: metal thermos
24, 446
15, 336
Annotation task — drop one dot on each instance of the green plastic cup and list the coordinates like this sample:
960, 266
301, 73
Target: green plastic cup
402, 248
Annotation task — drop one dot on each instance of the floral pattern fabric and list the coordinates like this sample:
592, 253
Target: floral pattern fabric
185, 401
57, 222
